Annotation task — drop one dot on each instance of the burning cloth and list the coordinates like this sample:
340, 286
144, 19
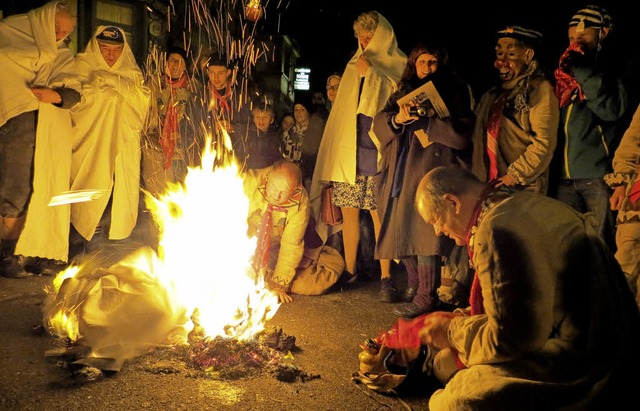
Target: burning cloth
118, 312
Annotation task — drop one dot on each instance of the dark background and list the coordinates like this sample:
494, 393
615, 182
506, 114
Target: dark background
323, 30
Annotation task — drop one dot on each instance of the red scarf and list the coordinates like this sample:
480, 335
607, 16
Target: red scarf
170, 129
566, 85
493, 127
475, 296
261, 256
221, 102
405, 333
634, 193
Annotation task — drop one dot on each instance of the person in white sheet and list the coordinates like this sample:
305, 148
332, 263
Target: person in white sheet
34, 103
106, 139
347, 155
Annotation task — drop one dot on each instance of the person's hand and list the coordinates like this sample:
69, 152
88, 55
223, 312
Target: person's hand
283, 297
46, 95
506, 180
362, 65
617, 197
403, 116
435, 331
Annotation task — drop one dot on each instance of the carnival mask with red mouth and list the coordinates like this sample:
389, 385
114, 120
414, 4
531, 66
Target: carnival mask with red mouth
566, 85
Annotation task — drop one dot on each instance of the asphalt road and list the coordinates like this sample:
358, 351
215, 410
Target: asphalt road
327, 329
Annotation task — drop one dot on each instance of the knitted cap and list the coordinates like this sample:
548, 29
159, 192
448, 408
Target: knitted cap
111, 35
180, 51
590, 16
216, 59
304, 99
527, 36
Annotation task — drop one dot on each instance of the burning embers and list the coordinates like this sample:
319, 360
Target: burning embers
230, 359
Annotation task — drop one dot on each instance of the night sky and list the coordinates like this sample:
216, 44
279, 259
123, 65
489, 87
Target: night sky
323, 30
324, 33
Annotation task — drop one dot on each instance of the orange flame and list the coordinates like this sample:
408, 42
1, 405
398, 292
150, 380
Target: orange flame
203, 259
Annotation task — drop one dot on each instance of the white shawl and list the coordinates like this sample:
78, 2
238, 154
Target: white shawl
31, 57
28, 51
106, 141
336, 159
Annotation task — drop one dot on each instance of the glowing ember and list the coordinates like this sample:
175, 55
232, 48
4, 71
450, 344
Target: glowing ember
253, 11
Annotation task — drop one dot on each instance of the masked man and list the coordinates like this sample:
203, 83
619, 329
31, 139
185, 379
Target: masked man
517, 120
593, 101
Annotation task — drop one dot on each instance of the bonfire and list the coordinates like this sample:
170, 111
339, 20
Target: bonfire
194, 291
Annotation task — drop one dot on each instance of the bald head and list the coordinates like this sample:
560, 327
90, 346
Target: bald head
440, 182
284, 178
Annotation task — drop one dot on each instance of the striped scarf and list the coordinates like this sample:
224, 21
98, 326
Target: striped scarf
493, 127
170, 130
261, 256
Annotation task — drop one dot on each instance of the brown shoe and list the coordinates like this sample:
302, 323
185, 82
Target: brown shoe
12, 266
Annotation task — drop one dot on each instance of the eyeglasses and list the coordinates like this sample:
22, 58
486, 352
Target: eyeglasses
334, 88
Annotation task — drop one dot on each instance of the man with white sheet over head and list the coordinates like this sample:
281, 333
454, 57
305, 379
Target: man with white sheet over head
108, 123
35, 128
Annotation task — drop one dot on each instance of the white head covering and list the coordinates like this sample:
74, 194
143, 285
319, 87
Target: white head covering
30, 57
91, 59
336, 160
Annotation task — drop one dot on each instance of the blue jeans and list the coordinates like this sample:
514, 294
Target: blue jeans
590, 196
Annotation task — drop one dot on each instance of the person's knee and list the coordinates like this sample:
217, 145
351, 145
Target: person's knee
445, 365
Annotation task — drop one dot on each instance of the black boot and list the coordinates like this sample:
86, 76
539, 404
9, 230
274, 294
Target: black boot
388, 292
44, 266
366, 264
11, 265
426, 299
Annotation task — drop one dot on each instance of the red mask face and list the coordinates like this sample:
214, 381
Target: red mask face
512, 58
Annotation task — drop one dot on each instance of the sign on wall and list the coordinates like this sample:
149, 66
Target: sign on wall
301, 79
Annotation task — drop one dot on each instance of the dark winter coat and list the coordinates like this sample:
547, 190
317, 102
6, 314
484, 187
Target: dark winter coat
403, 232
